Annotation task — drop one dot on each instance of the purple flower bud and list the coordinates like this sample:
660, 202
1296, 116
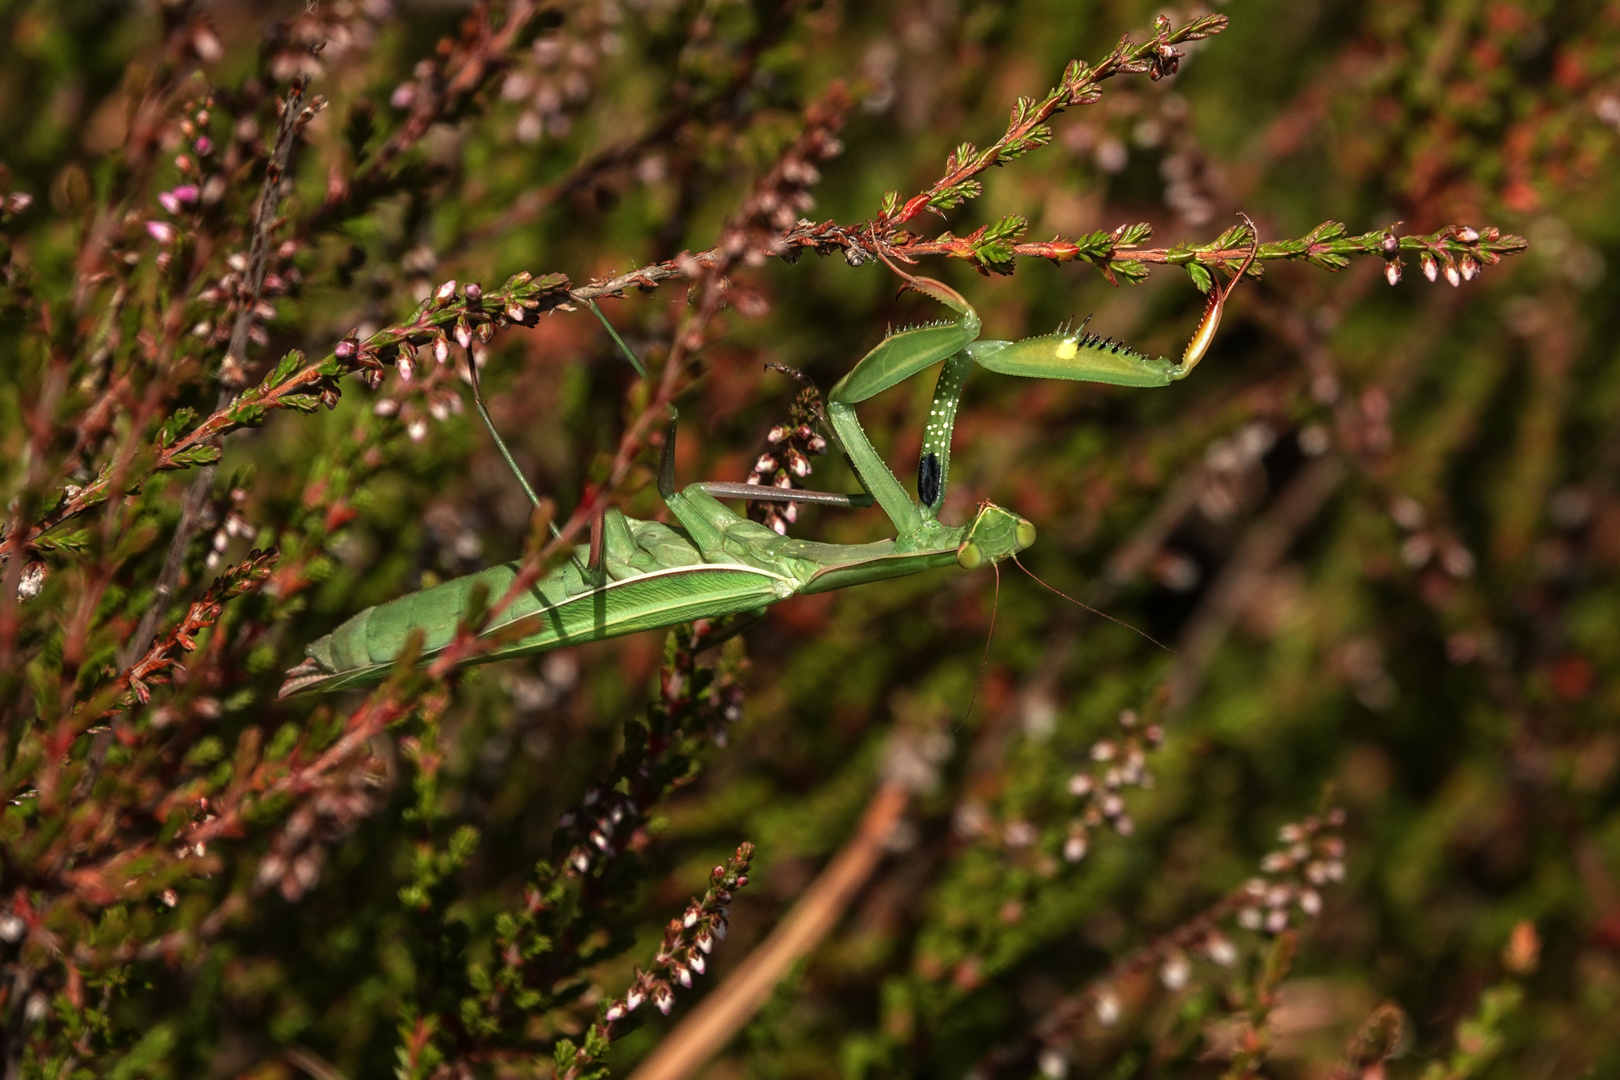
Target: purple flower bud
444, 293
169, 202
765, 464
1453, 277
474, 291
664, 998
697, 962
161, 231
204, 145
1431, 269
1468, 234
441, 350
1470, 268
777, 434
633, 1000
403, 95
463, 334
1390, 243
1392, 272
345, 349
704, 941
616, 1011
682, 976
798, 464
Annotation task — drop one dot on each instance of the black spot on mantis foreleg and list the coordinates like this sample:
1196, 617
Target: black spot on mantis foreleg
928, 479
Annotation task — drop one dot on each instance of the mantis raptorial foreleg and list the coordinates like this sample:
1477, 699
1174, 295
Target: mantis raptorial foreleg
1066, 354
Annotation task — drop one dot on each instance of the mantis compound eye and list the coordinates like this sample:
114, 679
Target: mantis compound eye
969, 556
1025, 534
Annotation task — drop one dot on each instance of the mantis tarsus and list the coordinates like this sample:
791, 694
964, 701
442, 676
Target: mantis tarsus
640, 575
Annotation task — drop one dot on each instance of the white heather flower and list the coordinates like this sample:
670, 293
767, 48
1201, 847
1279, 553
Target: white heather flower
1175, 971
1108, 1008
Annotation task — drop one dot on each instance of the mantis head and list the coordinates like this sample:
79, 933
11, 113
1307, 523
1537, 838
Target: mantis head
995, 534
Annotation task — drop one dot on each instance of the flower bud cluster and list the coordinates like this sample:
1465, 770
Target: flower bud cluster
1439, 256
688, 941
451, 315
1116, 765
1288, 888
235, 526
787, 459
298, 853
1425, 544
556, 77
602, 822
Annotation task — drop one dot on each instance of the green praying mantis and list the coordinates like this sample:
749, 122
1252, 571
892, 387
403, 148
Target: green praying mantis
641, 575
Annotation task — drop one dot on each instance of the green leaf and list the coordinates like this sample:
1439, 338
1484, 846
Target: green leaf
1200, 276
1131, 270
1134, 234
196, 455
285, 367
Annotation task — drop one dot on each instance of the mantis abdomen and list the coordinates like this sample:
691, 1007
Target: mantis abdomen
654, 577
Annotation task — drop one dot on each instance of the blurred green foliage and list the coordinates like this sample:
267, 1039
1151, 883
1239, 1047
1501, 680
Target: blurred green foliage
1380, 528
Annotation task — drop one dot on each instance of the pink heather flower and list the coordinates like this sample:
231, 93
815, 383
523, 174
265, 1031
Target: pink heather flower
161, 231
204, 145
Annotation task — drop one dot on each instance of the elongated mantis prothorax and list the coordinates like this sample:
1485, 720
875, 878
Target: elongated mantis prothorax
711, 563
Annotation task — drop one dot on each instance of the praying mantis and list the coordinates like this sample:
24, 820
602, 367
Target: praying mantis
642, 575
